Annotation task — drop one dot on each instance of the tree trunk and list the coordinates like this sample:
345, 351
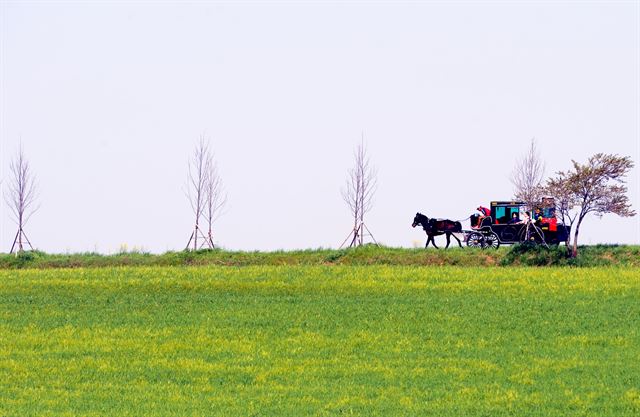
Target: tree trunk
195, 237
567, 243
210, 236
574, 250
20, 248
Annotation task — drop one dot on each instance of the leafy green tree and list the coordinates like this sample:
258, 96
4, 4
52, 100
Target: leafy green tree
596, 187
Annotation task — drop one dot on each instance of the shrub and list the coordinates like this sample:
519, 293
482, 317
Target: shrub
537, 255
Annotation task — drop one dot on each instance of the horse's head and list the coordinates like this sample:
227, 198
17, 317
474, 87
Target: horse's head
420, 219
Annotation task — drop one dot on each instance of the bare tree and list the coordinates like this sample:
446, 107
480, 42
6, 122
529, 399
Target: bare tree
197, 190
596, 187
358, 193
21, 198
215, 197
527, 176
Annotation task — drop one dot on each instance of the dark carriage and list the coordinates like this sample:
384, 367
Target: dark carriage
507, 225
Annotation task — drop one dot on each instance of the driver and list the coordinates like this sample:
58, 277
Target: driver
484, 213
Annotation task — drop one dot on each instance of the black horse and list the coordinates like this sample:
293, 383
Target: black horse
437, 227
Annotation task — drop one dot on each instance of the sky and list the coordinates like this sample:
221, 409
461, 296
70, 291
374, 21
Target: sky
108, 100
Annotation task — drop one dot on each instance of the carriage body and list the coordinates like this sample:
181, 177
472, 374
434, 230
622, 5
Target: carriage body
498, 228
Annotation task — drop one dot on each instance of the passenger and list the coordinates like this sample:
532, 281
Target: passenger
526, 218
514, 219
537, 215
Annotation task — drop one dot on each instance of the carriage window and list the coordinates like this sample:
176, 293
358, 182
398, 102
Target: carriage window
549, 212
501, 215
515, 210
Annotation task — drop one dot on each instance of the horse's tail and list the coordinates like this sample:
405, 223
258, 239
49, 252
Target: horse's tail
457, 227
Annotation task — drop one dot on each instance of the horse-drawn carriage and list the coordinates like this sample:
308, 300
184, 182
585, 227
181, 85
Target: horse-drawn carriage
506, 222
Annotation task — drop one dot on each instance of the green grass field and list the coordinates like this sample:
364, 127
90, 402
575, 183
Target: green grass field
590, 256
320, 340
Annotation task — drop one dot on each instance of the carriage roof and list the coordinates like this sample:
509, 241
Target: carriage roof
545, 202
507, 203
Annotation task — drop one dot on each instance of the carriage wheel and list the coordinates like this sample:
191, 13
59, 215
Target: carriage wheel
531, 235
491, 241
475, 240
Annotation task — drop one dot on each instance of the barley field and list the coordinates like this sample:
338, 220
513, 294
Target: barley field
320, 341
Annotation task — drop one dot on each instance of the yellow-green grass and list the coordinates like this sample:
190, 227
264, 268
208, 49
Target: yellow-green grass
320, 340
590, 256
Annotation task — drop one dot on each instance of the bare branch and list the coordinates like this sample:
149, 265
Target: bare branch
204, 191
215, 196
360, 188
21, 197
527, 177
196, 182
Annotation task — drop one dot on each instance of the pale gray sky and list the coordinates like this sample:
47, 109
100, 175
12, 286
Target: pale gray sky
109, 98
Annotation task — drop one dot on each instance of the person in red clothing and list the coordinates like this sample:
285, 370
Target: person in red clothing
484, 212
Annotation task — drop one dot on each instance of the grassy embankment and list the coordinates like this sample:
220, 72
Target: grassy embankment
600, 255
321, 340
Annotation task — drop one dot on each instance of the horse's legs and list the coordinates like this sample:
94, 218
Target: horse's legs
433, 241
448, 240
456, 238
